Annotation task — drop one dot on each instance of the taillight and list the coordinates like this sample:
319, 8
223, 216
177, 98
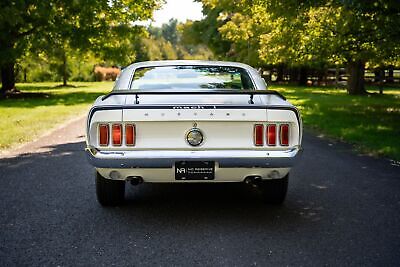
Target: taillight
284, 134
103, 134
116, 134
130, 134
258, 134
271, 134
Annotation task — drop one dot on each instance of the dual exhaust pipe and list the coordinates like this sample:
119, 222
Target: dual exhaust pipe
135, 180
253, 181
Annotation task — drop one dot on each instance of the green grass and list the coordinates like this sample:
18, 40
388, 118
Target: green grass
371, 123
45, 107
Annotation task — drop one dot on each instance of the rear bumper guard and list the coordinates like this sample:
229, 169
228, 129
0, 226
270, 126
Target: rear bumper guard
167, 158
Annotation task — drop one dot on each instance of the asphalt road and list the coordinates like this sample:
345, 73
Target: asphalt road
342, 209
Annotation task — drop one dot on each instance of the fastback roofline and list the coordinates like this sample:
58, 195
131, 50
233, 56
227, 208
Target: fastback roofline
251, 93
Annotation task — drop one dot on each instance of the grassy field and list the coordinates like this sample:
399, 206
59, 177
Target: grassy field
43, 108
371, 123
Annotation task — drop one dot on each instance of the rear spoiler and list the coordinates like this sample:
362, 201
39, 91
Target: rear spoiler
251, 93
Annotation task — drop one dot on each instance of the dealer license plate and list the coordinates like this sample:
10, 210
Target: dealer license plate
194, 170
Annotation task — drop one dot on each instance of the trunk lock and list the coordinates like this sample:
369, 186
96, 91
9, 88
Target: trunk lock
194, 137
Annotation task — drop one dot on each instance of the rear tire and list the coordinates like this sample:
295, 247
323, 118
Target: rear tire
109, 192
274, 191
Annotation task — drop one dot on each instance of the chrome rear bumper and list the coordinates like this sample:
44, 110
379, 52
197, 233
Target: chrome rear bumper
167, 158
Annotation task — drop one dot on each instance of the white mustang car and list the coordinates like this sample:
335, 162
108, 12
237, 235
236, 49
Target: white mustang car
192, 122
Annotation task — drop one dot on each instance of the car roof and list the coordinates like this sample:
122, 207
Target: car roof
123, 81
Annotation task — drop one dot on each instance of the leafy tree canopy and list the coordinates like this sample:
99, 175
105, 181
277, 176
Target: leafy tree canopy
83, 24
308, 33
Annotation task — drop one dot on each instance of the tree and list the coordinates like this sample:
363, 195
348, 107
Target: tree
76, 24
168, 42
313, 33
260, 33
354, 33
169, 31
206, 32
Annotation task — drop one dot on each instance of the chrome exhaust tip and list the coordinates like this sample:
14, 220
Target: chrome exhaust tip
135, 180
253, 180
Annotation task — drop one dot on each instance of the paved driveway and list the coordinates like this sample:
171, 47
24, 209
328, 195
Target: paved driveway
342, 209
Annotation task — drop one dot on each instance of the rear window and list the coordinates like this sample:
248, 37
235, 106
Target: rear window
191, 77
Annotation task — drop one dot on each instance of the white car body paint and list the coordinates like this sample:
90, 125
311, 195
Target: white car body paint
162, 121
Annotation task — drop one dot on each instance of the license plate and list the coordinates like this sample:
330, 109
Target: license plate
194, 170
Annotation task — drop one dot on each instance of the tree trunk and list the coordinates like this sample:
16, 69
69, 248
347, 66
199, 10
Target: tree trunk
303, 76
279, 74
7, 78
25, 75
379, 78
390, 78
337, 76
65, 75
355, 82
294, 75
321, 77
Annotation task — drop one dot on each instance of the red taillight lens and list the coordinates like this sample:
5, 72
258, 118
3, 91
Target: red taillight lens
271, 134
130, 134
103, 134
258, 134
284, 132
116, 134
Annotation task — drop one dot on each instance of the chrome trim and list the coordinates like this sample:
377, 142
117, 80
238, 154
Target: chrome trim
280, 134
134, 134
255, 133
167, 158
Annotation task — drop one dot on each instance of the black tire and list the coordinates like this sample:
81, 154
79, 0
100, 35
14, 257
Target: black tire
109, 192
274, 191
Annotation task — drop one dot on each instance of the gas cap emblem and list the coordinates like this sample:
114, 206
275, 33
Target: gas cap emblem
194, 137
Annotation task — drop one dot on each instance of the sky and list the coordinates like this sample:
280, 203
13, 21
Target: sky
182, 10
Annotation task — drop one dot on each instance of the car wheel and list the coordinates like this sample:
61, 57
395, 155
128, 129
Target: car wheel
109, 192
274, 191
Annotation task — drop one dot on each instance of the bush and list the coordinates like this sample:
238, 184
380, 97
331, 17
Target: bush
45, 69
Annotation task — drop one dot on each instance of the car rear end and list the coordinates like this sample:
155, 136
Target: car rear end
151, 143
191, 136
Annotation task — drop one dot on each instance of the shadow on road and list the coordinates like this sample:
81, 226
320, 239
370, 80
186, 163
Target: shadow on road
214, 204
66, 172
